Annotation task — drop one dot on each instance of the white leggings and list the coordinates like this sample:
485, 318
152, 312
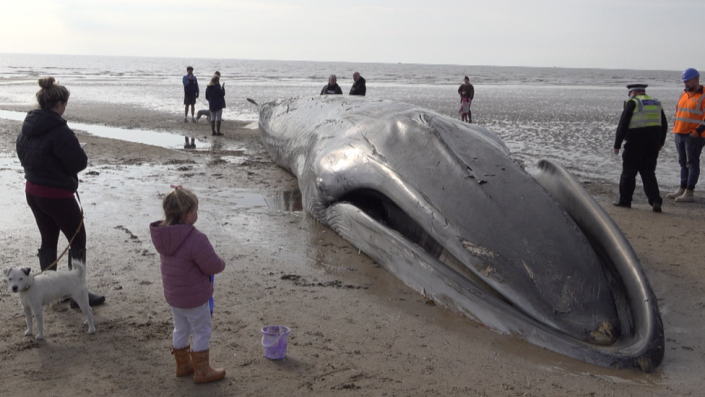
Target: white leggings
196, 321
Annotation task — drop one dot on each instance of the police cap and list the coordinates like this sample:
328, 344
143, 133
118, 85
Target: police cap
637, 87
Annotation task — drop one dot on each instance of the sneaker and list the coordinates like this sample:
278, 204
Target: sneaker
185, 119
193, 120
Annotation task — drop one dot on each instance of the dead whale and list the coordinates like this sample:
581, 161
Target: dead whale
441, 205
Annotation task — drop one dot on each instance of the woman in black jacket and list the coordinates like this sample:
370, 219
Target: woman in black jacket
215, 94
52, 157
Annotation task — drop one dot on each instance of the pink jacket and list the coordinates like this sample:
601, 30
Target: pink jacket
188, 260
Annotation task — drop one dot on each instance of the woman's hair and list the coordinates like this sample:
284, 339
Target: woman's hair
51, 93
177, 204
215, 80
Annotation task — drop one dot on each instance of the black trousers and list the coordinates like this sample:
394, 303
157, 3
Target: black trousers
57, 215
639, 159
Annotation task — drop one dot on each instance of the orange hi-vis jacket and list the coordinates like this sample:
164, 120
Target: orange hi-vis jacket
690, 113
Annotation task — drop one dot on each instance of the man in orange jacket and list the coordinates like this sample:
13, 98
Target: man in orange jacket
688, 130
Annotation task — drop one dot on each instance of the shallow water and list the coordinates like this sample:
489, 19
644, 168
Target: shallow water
146, 137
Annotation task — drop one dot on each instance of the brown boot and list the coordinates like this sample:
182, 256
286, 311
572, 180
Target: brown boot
183, 361
203, 372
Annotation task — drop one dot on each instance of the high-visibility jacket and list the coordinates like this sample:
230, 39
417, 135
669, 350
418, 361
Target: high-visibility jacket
647, 112
689, 112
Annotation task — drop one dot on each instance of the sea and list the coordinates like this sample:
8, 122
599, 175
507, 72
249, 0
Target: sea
568, 115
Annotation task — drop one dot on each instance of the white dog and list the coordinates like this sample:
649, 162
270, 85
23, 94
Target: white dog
37, 291
203, 113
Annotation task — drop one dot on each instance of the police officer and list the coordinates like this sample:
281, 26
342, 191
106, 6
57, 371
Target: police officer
644, 126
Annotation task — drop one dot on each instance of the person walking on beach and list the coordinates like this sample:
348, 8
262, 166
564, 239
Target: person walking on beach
188, 262
358, 87
332, 87
52, 157
467, 91
190, 93
215, 95
688, 132
644, 127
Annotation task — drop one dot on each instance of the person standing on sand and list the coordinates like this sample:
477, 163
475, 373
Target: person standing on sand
215, 95
190, 93
467, 91
188, 264
644, 126
688, 131
332, 87
52, 157
358, 87
464, 109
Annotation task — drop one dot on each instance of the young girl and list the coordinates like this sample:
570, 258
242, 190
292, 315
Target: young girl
187, 261
465, 108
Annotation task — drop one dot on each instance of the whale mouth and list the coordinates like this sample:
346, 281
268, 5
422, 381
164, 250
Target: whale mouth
637, 341
388, 214
382, 209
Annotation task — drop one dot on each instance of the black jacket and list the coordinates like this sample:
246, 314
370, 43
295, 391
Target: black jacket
49, 151
215, 95
466, 91
328, 89
358, 87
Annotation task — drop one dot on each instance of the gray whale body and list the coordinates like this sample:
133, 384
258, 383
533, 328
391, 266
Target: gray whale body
441, 205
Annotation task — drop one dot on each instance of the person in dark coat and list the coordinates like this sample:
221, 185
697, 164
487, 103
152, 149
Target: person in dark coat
52, 157
644, 126
332, 87
358, 87
215, 94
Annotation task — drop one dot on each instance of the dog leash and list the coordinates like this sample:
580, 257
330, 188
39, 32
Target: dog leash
80, 225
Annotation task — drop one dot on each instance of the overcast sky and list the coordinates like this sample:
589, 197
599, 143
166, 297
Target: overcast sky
612, 34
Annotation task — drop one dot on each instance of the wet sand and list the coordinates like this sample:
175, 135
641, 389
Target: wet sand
356, 329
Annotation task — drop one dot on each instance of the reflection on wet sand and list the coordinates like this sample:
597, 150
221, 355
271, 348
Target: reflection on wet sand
283, 200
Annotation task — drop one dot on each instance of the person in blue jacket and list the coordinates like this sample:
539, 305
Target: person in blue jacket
190, 93
215, 94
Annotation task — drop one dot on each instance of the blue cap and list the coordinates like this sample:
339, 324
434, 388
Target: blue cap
688, 74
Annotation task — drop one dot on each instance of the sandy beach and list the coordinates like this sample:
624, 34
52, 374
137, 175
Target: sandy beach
356, 329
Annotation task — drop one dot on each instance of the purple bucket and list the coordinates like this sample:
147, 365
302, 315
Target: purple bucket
274, 340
